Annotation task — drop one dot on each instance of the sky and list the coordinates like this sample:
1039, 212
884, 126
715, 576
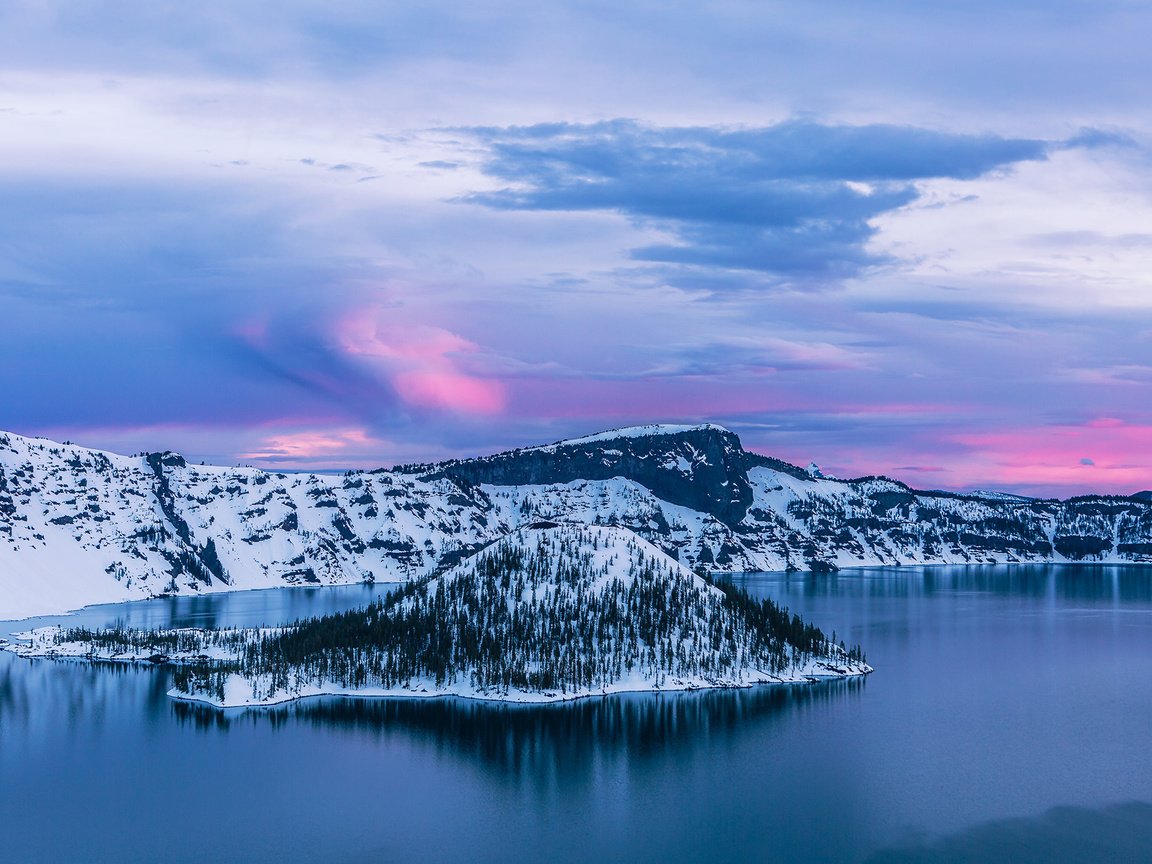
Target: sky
888, 237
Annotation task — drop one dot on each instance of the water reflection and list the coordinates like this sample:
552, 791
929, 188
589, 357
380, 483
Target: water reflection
1080, 583
238, 608
999, 691
1063, 835
43, 698
38, 695
546, 741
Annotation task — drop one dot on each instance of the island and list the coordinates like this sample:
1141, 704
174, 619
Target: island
547, 613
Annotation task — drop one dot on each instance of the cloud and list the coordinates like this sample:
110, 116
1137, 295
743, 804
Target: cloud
795, 200
306, 446
158, 302
422, 363
612, 274
1091, 139
1051, 457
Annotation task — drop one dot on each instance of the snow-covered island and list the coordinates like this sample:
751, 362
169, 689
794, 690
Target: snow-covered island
544, 614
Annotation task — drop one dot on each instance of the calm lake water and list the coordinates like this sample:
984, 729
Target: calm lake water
1009, 719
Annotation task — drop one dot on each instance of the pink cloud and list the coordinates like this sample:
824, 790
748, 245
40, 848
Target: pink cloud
290, 446
423, 363
1103, 455
448, 389
285, 441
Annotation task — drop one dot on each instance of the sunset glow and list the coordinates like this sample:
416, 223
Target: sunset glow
933, 267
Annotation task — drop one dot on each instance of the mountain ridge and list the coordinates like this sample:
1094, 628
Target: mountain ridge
80, 526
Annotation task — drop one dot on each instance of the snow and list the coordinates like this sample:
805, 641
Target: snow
238, 691
677, 462
1000, 496
649, 431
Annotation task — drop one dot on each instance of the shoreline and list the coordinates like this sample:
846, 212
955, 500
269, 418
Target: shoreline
714, 575
33, 645
520, 699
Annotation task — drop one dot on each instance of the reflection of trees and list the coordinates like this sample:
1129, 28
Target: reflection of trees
1103, 583
38, 693
563, 739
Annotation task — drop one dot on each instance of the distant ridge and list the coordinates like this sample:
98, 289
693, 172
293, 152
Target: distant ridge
999, 496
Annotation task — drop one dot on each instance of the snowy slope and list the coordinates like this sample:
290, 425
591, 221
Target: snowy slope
80, 526
647, 431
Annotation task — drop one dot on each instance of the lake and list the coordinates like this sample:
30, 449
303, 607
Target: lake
1009, 718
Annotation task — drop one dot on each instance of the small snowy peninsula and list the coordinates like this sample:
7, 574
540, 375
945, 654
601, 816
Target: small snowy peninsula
545, 614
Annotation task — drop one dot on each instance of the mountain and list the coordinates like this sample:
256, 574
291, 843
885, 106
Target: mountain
81, 526
703, 468
540, 615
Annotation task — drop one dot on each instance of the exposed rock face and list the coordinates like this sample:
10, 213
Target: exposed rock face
80, 526
700, 467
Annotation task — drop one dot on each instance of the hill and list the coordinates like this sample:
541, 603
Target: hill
541, 615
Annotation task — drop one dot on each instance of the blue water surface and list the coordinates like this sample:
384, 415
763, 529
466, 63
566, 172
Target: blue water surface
1009, 719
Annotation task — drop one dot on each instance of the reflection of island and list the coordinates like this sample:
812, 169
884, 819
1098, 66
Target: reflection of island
536, 740
543, 615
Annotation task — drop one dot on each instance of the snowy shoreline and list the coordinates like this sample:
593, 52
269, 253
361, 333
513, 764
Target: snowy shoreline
40, 644
520, 698
205, 591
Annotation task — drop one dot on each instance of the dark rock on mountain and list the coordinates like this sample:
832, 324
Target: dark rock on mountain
702, 467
